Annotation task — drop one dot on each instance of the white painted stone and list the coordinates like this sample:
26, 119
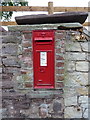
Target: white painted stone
0, 114
88, 46
76, 79
83, 99
85, 115
82, 66
85, 46
71, 101
88, 57
70, 66
70, 82
75, 56
82, 90
89, 110
84, 106
73, 46
71, 112
69, 92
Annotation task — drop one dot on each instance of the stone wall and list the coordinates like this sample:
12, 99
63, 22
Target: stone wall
17, 77
76, 78
20, 99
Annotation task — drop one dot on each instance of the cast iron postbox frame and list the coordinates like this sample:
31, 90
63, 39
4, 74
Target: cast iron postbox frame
43, 58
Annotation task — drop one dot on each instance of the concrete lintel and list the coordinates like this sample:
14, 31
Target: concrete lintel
43, 26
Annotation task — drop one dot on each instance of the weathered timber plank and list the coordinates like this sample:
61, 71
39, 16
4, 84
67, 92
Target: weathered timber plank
8, 23
71, 9
38, 8
23, 8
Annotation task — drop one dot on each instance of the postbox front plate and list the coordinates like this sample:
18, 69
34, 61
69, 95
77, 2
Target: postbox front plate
43, 58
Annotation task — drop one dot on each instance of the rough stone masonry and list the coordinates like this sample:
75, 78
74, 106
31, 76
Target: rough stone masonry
69, 99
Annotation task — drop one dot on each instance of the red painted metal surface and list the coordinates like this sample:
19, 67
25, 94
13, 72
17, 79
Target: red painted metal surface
43, 58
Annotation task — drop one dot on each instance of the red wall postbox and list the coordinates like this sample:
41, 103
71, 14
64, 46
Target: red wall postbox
43, 58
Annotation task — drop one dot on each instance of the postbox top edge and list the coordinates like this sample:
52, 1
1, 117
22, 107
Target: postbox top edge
44, 30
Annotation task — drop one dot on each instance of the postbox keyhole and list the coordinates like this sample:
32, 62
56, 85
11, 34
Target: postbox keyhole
42, 69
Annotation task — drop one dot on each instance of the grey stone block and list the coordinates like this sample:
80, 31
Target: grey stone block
86, 114
83, 99
70, 65
76, 79
10, 39
82, 66
12, 61
57, 106
75, 56
9, 49
85, 46
10, 70
73, 46
7, 84
71, 101
72, 112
